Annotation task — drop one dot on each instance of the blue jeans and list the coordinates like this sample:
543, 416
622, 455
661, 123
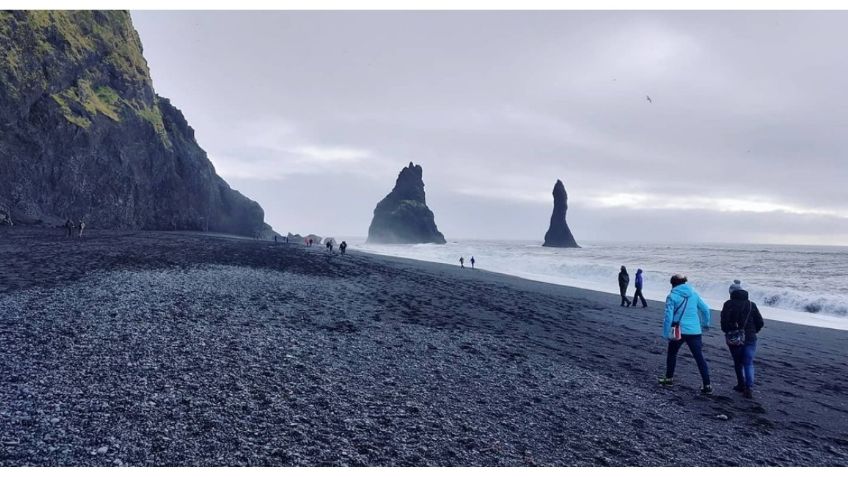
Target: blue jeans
695, 346
743, 363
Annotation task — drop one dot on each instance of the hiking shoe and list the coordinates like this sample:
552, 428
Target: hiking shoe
748, 393
707, 389
739, 388
666, 381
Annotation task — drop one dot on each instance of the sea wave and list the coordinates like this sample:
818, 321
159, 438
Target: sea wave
804, 280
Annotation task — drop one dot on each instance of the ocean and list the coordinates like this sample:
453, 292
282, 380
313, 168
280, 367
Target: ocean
795, 283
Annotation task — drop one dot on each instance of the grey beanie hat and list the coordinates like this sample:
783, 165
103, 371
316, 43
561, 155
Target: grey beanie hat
736, 285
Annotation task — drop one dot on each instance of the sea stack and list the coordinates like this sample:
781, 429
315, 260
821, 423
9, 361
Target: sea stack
558, 234
84, 136
403, 217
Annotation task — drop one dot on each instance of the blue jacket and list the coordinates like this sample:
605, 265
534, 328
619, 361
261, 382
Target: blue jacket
638, 280
695, 315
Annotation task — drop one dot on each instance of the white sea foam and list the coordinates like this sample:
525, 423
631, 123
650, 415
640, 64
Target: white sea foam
798, 284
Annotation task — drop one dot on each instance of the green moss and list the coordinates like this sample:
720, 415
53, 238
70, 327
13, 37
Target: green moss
68, 113
86, 34
154, 117
105, 100
102, 100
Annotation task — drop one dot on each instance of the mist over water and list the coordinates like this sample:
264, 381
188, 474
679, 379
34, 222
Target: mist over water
802, 284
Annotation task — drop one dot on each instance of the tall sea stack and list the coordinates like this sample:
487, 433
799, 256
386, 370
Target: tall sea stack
84, 136
558, 234
403, 217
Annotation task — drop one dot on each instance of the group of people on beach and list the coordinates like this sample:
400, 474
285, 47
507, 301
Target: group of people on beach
624, 281
462, 262
687, 316
70, 227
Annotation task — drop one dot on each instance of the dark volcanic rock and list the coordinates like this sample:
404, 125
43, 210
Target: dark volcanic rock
84, 136
558, 234
403, 215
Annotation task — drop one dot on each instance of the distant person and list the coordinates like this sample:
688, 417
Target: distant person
69, 225
275, 238
330, 245
741, 321
472, 261
343, 247
623, 281
685, 315
287, 240
638, 282
81, 227
461, 262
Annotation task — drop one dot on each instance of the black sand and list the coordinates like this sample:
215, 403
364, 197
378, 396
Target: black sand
177, 349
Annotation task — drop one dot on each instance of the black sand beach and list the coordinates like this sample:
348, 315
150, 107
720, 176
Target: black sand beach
142, 348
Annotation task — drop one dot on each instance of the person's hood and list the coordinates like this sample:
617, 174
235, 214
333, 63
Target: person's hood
639, 272
739, 295
684, 290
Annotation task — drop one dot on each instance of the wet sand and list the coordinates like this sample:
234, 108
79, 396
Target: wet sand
154, 348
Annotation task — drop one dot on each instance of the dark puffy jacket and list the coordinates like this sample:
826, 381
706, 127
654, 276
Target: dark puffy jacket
623, 280
735, 310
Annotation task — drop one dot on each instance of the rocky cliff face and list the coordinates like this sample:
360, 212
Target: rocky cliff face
403, 215
558, 234
83, 135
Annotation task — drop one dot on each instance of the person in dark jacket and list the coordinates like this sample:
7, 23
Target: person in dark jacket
740, 313
638, 284
623, 281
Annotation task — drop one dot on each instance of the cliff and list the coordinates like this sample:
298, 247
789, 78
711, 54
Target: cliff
83, 134
403, 216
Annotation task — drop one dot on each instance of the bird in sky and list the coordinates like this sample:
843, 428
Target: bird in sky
649, 99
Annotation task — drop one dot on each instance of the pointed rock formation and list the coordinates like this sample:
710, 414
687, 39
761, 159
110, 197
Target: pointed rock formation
84, 136
558, 234
403, 215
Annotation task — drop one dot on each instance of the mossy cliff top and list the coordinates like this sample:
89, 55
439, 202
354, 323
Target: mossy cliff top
89, 62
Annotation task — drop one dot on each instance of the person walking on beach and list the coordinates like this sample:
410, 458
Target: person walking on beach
461, 262
623, 281
685, 316
343, 247
638, 282
69, 225
472, 261
741, 321
81, 227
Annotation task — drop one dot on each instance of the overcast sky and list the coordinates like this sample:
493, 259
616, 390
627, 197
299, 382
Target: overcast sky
313, 114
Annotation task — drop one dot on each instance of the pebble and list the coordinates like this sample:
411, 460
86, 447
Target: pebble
54, 420
103, 450
722, 417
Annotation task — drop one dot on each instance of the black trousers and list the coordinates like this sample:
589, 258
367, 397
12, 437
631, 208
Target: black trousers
624, 300
638, 294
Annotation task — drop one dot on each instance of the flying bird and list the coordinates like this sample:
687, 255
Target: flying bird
649, 99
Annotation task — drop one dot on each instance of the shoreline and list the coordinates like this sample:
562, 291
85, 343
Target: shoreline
769, 313
153, 348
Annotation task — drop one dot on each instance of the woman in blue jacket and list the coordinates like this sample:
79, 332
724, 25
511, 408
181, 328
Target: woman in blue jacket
686, 309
